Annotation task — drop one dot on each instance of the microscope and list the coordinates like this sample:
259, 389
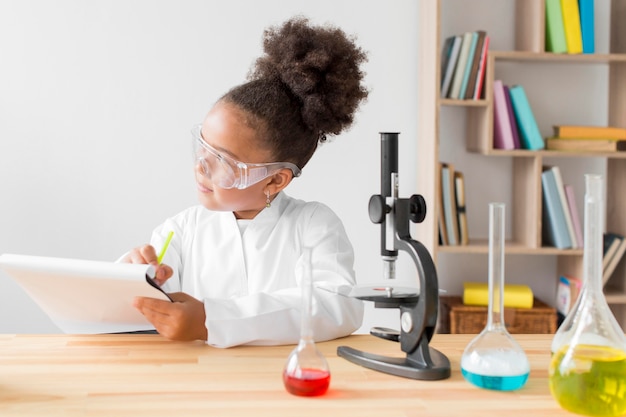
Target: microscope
418, 311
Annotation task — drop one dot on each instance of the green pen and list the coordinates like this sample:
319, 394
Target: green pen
165, 246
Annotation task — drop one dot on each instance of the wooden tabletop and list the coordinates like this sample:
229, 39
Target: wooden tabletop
146, 375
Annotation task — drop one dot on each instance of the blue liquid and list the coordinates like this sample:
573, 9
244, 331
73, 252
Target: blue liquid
500, 383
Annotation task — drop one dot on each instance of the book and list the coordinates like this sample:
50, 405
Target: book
459, 71
530, 137
567, 293
443, 230
451, 58
480, 77
468, 65
611, 242
571, 26
459, 188
558, 178
473, 72
555, 33
585, 145
615, 260
554, 228
515, 295
502, 134
571, 202
449, 205
587, 28
83, 296
514, 128
589, 132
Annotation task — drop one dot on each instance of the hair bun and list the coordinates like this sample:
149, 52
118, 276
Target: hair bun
319, 65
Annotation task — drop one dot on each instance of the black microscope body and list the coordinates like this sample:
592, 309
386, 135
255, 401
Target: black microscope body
418, 312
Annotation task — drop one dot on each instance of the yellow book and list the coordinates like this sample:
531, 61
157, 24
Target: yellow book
515, 295
589, 132
571, 26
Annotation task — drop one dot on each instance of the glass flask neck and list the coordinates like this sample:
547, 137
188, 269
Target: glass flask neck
306, 329
495, 318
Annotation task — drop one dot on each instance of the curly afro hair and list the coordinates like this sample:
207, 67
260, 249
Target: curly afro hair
307, 85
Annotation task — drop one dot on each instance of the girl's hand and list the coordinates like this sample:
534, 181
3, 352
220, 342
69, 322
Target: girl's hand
182, 319
146, 254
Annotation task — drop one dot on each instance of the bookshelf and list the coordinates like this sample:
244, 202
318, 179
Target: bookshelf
524, 236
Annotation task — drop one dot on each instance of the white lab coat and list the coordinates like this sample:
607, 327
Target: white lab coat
249, 282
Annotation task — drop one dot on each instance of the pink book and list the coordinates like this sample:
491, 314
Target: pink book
514, 129
571, 202
502, 133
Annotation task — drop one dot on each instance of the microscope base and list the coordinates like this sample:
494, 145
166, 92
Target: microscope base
399, 366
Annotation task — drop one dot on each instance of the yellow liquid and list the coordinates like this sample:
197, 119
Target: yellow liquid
591, 380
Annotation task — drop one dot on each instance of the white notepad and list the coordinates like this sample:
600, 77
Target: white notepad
82, 296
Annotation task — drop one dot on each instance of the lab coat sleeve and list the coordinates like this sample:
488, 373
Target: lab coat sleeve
274, 318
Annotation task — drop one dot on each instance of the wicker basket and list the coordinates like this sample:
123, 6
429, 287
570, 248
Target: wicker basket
455, 317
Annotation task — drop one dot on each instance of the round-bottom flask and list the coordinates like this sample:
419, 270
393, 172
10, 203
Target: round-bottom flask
306, 372
588, 367
493, 359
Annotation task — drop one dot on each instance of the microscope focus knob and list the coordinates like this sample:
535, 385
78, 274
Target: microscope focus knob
378, 209
418, 208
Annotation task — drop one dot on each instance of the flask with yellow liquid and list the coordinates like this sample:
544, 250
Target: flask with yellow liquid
588, 365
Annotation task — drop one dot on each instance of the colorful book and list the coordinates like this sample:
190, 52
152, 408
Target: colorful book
611, 242
459, 190
555, 34
571, 26
587, 28
585, 145
468, 65
589, 132
573, 209
449, 63
443, 231
502, 133
480, 80
459, 71
558, 178
514, 128
554, 227
449, 205
477, 56
567, 293
530, 137
515, 295
615, 260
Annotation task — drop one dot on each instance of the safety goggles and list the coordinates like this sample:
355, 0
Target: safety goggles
226, 172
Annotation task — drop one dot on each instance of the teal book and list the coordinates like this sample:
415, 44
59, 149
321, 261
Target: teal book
555, 32
468, 65
587, 29
530, 137
554, 226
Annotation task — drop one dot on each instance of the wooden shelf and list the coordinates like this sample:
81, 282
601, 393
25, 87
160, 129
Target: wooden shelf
526, 165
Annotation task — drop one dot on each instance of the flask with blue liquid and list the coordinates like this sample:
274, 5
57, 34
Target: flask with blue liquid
493, 359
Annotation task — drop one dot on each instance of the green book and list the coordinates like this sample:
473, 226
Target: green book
555, 32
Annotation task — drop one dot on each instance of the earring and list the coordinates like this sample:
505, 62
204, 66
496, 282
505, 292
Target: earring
267, 200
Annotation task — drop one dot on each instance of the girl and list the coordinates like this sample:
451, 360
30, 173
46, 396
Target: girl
232, 266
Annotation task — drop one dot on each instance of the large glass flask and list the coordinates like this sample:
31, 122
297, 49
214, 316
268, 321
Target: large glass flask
306, 372
494, 360
588, 367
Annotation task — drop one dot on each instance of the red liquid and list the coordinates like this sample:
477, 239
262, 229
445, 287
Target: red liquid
313, 382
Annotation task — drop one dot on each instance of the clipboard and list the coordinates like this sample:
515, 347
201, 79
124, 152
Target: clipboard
84, 296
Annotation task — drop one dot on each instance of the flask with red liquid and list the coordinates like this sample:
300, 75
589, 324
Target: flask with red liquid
306, 372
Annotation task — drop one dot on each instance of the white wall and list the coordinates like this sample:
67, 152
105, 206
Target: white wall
97, 100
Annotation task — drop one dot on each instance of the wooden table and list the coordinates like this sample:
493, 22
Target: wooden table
146, 375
